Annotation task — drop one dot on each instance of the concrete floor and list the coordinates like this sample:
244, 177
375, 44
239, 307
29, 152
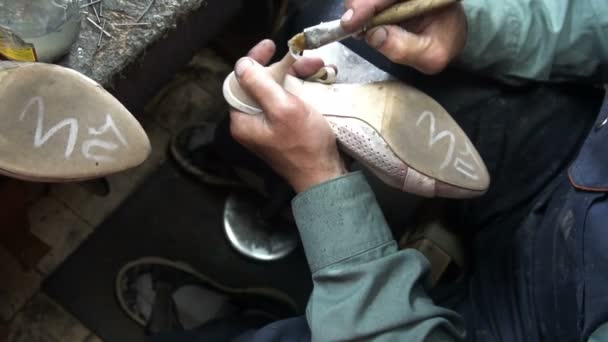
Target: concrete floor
67, 213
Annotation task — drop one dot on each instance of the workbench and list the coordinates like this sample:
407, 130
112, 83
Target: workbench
138, 60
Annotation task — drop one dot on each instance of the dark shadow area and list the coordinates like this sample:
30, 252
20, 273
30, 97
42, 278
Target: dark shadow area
173, 217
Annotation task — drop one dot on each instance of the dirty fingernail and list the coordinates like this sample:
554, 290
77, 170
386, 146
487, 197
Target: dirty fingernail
242, 65
377, 37
347, 16
359, 36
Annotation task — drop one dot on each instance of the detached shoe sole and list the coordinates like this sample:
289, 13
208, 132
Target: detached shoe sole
57, 125
401, 134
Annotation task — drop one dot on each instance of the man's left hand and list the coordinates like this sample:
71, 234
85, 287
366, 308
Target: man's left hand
292, 137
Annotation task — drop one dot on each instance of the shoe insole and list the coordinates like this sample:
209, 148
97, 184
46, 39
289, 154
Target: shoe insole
58, 125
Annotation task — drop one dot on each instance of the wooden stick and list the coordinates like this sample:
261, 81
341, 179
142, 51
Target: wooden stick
316, 36
407, 10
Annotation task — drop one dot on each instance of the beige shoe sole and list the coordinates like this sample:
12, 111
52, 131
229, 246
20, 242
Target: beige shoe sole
57, 125
405, 137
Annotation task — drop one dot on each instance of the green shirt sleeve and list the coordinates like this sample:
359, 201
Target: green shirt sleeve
364, 287
547, 40
600, 334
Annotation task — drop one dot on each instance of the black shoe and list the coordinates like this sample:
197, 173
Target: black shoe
196, 152
164, 296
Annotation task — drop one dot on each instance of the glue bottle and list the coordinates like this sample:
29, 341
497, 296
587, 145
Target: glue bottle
38, 30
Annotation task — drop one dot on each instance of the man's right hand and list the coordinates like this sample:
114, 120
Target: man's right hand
428, 43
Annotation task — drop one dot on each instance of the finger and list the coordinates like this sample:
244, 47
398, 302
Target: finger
358, 12
259, 84
263, 51
306, 66
247, 129
404, 47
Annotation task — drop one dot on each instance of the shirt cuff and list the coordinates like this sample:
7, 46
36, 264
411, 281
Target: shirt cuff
338, 220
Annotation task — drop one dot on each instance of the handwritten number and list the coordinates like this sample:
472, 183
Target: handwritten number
109, 125
434, 138
87, 146
465, 168
40, 139
108, 146
460, 164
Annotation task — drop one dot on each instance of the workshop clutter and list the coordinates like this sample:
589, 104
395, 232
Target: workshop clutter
38, 30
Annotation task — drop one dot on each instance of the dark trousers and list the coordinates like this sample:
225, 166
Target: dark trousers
240, 329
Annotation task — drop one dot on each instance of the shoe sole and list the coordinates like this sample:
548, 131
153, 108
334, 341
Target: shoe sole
119, 285
57, 125
393, 118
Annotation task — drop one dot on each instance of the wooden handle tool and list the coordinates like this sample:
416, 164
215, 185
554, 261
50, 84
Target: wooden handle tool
325, 33
407, 10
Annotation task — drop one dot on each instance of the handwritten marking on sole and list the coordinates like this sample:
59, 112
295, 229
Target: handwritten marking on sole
106, 145
434, 138
467, 163
109, 125
40, 139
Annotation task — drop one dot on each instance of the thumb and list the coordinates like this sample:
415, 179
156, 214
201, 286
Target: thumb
261, 86
401, 46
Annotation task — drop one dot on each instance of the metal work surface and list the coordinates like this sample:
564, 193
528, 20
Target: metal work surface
253, 235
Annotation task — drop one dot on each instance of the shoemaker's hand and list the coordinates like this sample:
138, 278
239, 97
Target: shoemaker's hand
295, 140
428, 43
